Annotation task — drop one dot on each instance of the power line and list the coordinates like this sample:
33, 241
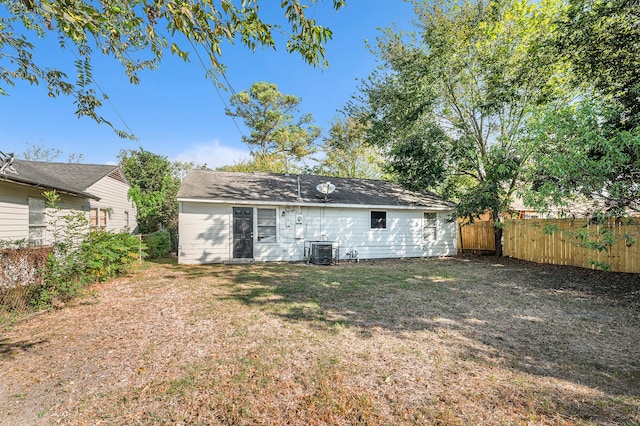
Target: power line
224, 76
106, 97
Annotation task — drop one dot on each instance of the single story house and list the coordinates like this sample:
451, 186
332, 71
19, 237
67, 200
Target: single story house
228, 216
101, 191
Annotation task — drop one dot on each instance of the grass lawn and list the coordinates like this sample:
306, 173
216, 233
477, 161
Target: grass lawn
465, 340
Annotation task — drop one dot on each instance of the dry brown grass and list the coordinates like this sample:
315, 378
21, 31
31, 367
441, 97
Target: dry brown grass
461, 341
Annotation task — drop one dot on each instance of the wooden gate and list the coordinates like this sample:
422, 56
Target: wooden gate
476, 237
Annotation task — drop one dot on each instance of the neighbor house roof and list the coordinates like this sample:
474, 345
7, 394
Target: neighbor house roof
71, 178
270, 188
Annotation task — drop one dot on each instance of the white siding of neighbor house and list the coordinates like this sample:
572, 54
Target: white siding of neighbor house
206, 235
114, 196
14, 210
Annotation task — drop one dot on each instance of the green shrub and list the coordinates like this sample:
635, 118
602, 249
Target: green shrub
76, 258
158, 243
100, 256
106, 255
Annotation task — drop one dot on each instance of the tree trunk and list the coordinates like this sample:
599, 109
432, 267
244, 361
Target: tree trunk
497, 232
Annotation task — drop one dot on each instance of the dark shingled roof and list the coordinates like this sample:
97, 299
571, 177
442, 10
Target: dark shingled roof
72, 178
277, 188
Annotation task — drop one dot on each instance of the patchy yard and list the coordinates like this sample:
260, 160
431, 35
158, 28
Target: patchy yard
437, 341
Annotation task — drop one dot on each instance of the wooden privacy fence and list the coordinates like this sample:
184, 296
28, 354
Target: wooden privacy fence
476, 237
533, 240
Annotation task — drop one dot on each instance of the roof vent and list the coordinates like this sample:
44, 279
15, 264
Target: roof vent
326, 188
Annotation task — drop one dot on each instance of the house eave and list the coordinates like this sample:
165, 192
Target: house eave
31, 184
313, 204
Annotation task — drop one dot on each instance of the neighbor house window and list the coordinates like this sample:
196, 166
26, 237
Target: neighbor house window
266, 225
378, 220
127, 222
98, 219
37, 223
430, 226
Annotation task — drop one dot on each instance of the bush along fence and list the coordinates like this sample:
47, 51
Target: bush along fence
609, 245
42, 277
21, 275
35, 278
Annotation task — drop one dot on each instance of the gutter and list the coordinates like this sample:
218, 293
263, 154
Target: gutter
311, 204
33, 184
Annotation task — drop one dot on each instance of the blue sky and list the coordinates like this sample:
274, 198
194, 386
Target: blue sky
176, 111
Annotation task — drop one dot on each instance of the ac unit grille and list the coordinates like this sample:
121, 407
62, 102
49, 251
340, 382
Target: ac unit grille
322, 253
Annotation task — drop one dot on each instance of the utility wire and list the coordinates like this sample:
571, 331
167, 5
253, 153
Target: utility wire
106, 97
224, 76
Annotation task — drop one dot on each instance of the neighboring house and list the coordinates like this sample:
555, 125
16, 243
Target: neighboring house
224, 217
98, 190
571, 210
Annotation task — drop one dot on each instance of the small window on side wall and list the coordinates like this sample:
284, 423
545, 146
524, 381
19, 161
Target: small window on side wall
266, 225
378, 220
430, 226
37, 223
98, 219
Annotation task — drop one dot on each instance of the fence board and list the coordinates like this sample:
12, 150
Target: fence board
477, 236
526, 239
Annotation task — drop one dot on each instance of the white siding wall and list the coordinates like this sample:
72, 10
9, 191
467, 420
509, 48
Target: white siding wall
206, 235
351, 229
114, 195
14, 210
67, 204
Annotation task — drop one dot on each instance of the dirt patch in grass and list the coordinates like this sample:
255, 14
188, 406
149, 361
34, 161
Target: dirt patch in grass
466, 340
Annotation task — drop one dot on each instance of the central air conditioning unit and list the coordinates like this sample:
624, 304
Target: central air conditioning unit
322, 253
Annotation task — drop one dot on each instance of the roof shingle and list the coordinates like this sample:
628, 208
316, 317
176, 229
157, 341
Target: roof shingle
278, 188
72, 178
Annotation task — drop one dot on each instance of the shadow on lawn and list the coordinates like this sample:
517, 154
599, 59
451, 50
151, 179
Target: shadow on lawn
546, 321
8, 349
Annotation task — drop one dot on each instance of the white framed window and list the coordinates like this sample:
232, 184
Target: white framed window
430, 226
266, 225
98, 218
127, 221
37, 222
378, 219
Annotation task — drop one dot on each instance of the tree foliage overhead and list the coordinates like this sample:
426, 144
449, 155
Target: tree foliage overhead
137, 33
581, 158
600, 40
591, 146
452, 101
279, 133
347, 153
